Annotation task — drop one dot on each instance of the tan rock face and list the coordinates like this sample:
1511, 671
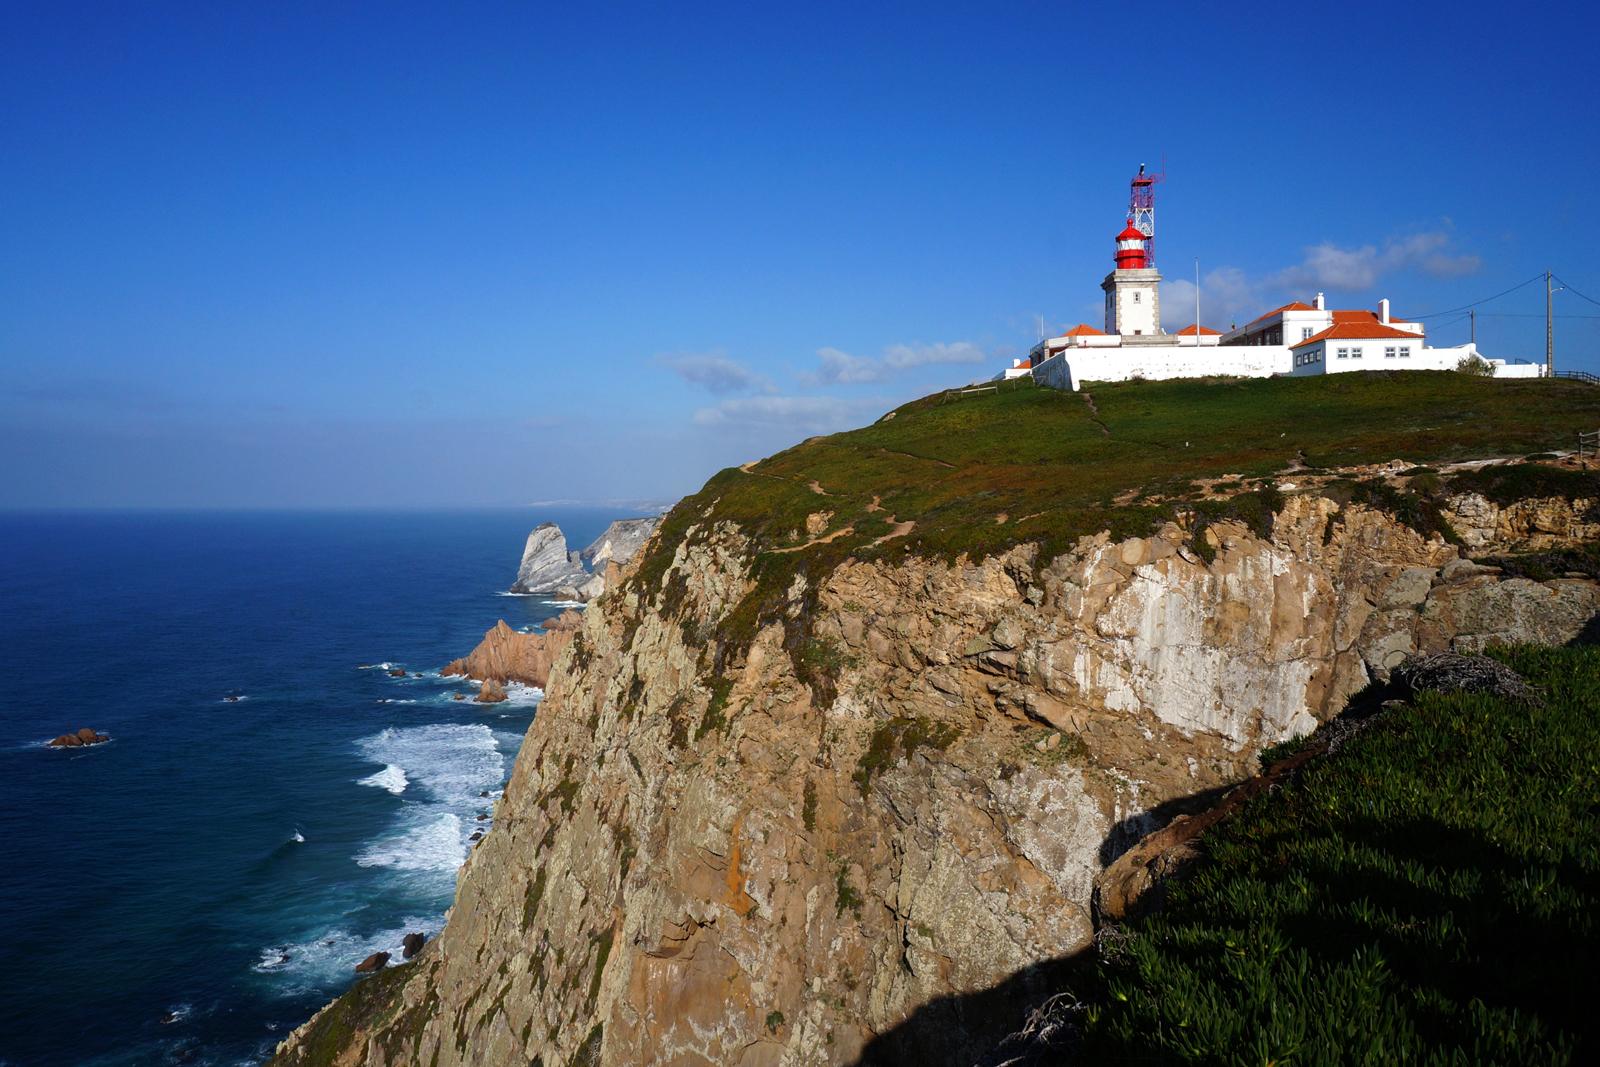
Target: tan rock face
505, 655
1531, 524
700, 861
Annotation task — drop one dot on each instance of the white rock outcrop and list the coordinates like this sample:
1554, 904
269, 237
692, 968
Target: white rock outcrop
546, 566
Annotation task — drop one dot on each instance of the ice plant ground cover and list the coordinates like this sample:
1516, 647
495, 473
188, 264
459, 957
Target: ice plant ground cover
1428, 894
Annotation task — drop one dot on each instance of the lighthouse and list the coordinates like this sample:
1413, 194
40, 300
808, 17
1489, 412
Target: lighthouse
1133, 290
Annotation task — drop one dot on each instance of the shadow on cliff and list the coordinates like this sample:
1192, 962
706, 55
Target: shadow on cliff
971, 1027
967, 1027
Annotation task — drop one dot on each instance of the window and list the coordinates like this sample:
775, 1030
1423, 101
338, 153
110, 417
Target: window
1388, 353
1355, 353
1305, 333
1136, 296
1405, 351
1344, 353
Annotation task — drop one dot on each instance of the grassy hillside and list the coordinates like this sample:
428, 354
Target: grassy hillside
981, 473
1429, 894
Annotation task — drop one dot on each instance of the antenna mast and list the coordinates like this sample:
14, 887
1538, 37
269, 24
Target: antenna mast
1142, 209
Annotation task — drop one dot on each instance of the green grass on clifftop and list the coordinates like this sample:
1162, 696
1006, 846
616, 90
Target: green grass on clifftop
978, 474
1429, 894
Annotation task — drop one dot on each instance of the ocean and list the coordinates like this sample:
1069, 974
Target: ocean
201, 884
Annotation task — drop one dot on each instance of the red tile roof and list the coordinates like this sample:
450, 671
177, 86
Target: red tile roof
1083, 329
1189, 331
1293, 305
1357, 331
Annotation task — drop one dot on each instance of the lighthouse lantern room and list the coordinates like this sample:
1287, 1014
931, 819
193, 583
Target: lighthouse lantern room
1133, 290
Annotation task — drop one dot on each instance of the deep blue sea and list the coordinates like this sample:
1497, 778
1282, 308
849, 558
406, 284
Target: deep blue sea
197, 887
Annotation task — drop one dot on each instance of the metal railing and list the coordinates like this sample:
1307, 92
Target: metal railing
1588, 447
1579, 375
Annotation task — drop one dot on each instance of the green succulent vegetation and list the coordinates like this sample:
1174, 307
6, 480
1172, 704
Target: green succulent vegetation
845, 894
716, 717
896, 740
1429, 894
1023, 464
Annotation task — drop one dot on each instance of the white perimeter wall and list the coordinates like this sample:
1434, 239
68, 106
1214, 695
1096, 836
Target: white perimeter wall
1068, 370
1156, 362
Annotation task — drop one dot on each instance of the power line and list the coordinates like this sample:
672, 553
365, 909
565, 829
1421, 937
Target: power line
1485, 300
1577, 294
1526, 315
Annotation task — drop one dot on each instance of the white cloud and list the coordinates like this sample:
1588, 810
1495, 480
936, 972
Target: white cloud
1226, 294
1230, 296
807, 414
901, 357
844, 369
841, 368
1329, 266
716, 373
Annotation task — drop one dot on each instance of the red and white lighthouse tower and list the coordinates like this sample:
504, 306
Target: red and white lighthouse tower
1133, 290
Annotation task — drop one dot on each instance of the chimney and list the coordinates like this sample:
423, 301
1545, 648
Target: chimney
1321, 303
1383, 311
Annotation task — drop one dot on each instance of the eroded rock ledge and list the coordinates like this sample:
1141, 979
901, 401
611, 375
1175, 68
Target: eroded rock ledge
507, 655
903, 789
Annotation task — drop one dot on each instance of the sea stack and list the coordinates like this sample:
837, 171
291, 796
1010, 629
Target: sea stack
546, 565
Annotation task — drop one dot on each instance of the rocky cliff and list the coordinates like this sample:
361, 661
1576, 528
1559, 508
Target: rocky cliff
787, 789
747, 866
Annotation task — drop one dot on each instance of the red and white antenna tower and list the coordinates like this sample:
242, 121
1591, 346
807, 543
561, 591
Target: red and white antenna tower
1142, 209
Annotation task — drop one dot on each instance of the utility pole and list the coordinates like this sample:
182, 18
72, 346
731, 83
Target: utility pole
1549, 329
1473, 326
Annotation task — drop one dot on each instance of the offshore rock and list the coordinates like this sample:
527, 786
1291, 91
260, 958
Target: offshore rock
546, 566
505, 655
898, 792
490, 692
374, 962
79, 739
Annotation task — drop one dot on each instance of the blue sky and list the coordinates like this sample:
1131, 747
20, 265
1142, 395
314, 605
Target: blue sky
263, 255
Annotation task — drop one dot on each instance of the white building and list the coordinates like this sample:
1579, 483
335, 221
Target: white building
1296, 339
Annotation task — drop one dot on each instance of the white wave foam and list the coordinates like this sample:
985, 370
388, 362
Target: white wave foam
395, 700
444, 767
234, 698
435, 845
521, 696
452, 762
328, 959
392, 778
298, 838
385, 666
569, 603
